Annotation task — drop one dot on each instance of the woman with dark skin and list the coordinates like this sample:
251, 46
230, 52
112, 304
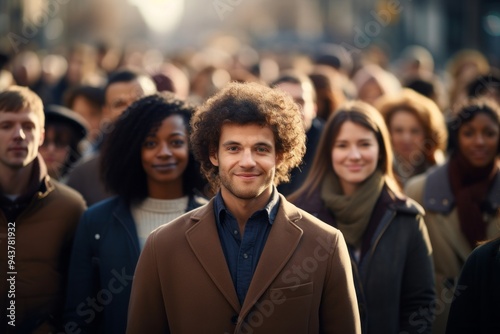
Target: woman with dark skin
461, 197
147, 163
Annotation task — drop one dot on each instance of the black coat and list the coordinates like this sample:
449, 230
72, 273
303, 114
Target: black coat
476, 307
394, 280
299, 174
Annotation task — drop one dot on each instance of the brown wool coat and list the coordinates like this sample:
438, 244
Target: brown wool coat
43, 237
302, 284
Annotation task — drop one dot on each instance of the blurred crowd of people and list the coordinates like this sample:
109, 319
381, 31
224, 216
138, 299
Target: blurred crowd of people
430, 198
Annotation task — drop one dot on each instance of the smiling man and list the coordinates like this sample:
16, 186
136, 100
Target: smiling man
248, 261
38, 217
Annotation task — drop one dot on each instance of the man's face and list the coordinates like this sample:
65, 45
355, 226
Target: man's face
246, 158
119, 96
92, 115
21, 134
303, 96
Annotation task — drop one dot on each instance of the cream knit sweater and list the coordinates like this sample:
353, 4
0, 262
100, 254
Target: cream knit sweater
152, 213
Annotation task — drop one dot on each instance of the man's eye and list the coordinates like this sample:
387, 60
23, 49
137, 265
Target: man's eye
233, 148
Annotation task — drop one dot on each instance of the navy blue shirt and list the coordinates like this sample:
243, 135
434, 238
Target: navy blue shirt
242, 255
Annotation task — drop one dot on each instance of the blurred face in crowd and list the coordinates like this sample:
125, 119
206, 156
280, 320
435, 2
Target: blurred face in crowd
90, 113
303, 95
21, 134
355, 155
120, 95
370, 92
165, 156
246, 158
478, 140
56, 149
76, 68
407, 135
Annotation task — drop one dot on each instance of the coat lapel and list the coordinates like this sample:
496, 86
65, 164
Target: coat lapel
124, 216
280, 245
203, 239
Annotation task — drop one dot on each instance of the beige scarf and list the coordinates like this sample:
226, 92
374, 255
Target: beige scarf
352, 213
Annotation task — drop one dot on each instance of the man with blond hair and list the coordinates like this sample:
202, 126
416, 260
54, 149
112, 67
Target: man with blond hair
38, 218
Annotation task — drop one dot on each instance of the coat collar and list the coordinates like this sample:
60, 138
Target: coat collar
438, 196
203, 239
280, 245
123, 215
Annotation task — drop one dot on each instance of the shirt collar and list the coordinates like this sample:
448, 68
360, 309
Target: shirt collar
270, 210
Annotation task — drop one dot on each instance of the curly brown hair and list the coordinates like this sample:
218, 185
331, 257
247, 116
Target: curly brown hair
428, 114
249, 103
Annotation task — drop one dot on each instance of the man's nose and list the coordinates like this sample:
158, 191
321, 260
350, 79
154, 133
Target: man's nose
247, 159
19, 133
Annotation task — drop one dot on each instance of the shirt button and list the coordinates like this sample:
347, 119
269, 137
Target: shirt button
235, 232
97, 237
245, 255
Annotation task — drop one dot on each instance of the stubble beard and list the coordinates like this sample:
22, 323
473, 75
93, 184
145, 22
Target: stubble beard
252, 191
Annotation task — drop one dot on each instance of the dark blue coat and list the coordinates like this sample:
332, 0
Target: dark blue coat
105, 252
